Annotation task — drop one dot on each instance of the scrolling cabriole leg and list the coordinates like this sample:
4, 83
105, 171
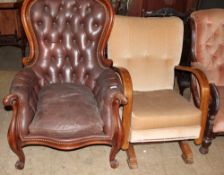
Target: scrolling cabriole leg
213, 109
118, 136
14, 141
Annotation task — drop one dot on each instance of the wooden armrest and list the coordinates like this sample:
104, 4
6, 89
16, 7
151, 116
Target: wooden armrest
204, 96
126, 115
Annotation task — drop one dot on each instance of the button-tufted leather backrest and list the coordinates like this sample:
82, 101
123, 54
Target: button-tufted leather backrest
67, 37
208, 42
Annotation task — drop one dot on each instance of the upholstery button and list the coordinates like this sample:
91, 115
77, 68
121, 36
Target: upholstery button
60, 8
54, 22
39, 23
67, 58
86, 76
89, 10
209, 23
75, 8
88, 41
46, 7
82, 24
96, 25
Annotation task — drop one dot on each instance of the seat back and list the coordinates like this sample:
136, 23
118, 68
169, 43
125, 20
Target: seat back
208, 42
67, 38
149, 48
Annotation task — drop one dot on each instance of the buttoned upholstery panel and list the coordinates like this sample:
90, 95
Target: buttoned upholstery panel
68, 33
149, 48
208, 42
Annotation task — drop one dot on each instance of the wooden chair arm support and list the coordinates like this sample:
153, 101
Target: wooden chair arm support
204, 96
126, 115
215, 100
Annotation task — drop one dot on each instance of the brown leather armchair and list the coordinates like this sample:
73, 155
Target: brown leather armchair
147, 51
68, 95
208, 55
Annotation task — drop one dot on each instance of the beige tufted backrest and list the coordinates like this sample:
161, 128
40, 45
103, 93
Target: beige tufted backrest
149, 48
208, 42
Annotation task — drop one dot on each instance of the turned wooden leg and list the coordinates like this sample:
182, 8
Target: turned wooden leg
186, 152
205, 146
207, 141
132, 160
213, 109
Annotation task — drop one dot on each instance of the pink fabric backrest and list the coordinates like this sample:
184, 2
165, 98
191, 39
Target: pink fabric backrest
208, 42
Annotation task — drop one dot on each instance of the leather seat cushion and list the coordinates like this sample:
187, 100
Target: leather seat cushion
163, 109
66, 110
219, 118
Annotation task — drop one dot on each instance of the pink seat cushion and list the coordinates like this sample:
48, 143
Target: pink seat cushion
66, 110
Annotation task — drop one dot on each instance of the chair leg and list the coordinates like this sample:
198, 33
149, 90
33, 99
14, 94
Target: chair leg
113, 162
21, 162
186, 152
132, 161
213, 109
117, 137
207, 141
14, 143
205, 145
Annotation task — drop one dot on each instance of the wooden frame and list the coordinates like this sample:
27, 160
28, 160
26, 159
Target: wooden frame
213, 109
126, 120
18, 140
213, 103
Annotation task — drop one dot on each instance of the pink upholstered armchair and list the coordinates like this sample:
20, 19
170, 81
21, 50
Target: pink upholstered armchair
208, 55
